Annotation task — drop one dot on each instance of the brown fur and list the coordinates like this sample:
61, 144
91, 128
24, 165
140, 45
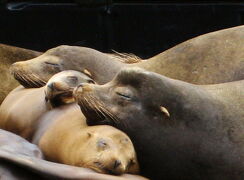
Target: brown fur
21, 109
64, 137
20, 159
8, 56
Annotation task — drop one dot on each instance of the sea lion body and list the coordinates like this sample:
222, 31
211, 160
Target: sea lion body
179, 130
21, 109
212, 58
64, 137
8, 56
20, 160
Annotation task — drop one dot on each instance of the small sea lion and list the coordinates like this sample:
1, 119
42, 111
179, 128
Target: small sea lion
8, 56
21, 109
179, 130
211, 58
20, 160
64, 137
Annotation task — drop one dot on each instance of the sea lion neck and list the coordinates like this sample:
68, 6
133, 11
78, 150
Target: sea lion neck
190, 98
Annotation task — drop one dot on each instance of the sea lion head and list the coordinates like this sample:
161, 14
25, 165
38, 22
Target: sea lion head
107, 150
122, 102
58, 89
36, 72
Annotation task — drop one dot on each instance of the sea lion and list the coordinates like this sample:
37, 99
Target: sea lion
8, 56
215, 57
179, 130
21, 160
21, 109
64, 137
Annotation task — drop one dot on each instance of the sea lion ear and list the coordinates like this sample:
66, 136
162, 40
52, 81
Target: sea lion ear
88, 73
165, 111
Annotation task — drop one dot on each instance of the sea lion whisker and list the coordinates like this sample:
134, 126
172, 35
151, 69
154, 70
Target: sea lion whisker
97, 109
39, 78
98, 105
30, 80
92, 106
104, 110
22, 80
111, 115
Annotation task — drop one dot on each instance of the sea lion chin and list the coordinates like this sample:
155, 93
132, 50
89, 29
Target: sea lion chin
179, 130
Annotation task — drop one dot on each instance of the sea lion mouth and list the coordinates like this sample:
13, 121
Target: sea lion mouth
94, 110
28, 80
100, 168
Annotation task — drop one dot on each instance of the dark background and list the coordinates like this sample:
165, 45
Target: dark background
144, 28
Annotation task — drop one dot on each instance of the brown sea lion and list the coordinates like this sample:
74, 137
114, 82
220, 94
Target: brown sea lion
179, 130
216, 57
20, 160
64, 137
21, 109
8, 56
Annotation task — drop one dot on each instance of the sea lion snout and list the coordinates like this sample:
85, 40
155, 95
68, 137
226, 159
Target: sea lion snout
117, 167
25, 77
81, 88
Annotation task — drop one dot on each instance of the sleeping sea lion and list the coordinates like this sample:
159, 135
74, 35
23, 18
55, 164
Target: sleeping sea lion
8, 56
21, 109
20, 160
179, 130
215, 57
64, 137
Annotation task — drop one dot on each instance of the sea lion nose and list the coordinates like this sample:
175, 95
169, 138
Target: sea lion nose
117, 163
80, 85
118, 167
51, 86
84, 87
14, 68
